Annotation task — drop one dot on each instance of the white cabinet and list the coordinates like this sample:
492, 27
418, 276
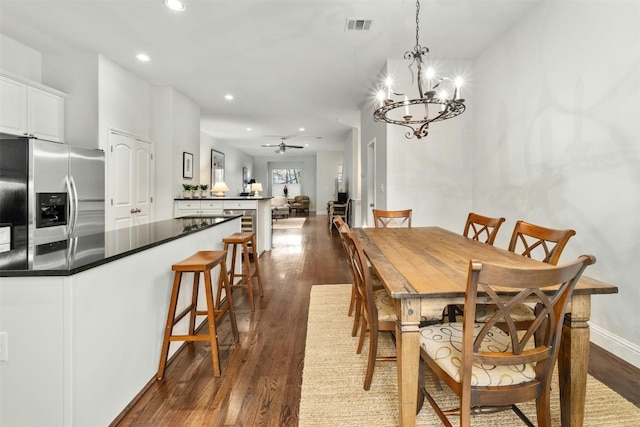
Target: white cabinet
211, 207
186, 208
240, 204
30, 110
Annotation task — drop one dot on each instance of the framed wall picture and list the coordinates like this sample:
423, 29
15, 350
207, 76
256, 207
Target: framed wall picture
187, 165
217, 167
245, 177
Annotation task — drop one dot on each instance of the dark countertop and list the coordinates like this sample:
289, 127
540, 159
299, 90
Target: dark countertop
225, 198
71, 256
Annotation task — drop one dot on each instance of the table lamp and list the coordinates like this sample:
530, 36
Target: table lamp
219, 188
256, 188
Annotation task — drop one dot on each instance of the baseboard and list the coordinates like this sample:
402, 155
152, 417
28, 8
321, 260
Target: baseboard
622, 348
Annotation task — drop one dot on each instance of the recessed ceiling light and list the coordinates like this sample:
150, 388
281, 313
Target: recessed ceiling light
228, 97
301, 129
143, 57
249, 129
176, 5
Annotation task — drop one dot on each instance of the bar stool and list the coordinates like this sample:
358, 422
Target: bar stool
200, 262
247, 275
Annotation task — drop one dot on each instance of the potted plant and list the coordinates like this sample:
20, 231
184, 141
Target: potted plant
203, 190
187, 190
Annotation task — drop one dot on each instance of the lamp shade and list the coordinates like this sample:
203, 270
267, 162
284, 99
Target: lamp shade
256, 188
219, 188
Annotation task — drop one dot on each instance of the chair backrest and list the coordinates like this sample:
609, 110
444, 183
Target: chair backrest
387, 219
541, 243
487, 280
341, 226
362, 277
301, 199
482, 228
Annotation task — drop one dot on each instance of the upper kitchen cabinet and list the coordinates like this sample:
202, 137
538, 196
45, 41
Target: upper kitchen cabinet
31, 109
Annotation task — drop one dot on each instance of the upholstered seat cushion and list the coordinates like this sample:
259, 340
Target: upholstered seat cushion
386, 309
443, 343
384, 304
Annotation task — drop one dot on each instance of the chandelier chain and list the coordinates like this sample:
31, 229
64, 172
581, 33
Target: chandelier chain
417, 46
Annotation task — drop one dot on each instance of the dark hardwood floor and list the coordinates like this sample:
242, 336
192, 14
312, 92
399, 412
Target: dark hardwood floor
262, 374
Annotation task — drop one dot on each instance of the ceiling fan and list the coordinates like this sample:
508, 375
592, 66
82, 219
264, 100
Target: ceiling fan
282, 147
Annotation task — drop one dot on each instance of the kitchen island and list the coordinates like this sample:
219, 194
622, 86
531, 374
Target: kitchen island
255, 212
84, 320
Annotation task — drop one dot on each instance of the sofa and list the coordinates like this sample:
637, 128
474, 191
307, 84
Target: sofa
279, 207
300, 203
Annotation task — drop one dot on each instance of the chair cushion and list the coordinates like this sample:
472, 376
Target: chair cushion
384, 304
443, 343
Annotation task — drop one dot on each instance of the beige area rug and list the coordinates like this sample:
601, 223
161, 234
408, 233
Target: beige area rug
288, 223
332, 393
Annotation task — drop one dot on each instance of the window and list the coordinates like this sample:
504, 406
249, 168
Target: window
286, 176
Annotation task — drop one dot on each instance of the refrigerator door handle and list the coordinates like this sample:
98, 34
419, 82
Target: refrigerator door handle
71, 251
74, 206
70, 211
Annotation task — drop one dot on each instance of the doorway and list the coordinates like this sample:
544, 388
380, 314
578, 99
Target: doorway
371, 182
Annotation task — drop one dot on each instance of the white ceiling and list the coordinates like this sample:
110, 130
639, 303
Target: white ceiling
289, 64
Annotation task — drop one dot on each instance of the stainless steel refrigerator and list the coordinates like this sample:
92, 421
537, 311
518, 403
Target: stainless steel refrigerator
50, 191
66, 191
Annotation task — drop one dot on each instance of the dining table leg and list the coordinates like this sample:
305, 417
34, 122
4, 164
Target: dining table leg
408, 358
573, 361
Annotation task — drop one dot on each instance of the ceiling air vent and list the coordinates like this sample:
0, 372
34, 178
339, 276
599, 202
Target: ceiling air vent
358, 24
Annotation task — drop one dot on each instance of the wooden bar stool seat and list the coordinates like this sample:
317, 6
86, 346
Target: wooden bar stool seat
200, 262
244, 240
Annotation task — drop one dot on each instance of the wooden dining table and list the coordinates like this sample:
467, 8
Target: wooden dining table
425, 268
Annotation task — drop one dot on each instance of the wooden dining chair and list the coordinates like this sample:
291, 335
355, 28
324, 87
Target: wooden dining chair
482, 229
355, 304
378, 312
537, 242
386, 219
488, 369
338, 209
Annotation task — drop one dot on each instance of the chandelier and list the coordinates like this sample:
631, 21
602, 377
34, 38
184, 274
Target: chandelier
442, 95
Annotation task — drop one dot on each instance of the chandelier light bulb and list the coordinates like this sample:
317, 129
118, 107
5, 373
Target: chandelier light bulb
176, 5
388, 83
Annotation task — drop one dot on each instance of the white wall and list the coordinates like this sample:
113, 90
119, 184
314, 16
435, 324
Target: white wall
168, 169
234, 160
328, 164
176, 129
123, 102
76, 74
20, 59
556, 143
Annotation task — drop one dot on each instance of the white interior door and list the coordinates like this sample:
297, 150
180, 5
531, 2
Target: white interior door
130, 181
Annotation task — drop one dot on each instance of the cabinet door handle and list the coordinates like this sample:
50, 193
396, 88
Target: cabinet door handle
133, 211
